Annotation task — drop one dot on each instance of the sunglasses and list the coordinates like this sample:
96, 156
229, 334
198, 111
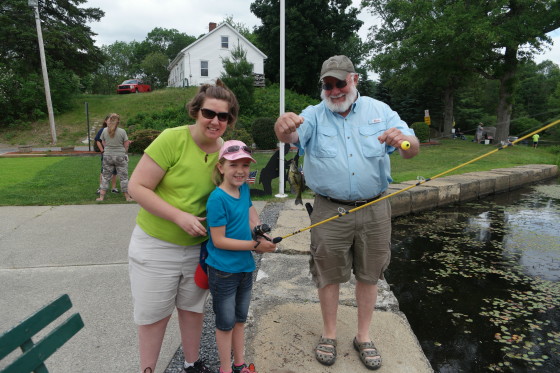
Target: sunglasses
236, 148
211, 114
339, 84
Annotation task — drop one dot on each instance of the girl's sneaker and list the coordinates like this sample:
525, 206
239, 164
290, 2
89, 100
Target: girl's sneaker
198, 367
244, 368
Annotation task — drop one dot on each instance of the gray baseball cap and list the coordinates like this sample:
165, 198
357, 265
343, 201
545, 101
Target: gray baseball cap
338, 67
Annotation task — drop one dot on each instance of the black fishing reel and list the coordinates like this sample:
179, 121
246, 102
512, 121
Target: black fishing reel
260, 230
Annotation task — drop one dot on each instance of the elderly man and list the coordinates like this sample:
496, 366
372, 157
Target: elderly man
347, 139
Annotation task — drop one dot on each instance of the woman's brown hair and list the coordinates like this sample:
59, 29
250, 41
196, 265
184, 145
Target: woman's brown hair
112, 123
218, 91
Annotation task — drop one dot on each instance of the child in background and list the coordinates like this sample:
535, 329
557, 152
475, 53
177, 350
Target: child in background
231, 218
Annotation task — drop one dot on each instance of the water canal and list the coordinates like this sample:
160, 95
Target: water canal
480, 282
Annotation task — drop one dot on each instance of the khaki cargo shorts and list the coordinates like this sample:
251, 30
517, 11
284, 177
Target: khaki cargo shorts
359, 242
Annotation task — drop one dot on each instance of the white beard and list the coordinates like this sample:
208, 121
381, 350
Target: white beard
344, 105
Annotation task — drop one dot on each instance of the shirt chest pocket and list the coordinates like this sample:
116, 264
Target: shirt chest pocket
371, 147
326, 146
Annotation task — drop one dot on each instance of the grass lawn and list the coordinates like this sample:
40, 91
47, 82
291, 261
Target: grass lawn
74, 180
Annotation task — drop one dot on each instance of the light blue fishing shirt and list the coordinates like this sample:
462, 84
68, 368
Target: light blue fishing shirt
343, 157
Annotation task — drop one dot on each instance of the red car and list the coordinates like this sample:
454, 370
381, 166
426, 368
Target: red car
133, 86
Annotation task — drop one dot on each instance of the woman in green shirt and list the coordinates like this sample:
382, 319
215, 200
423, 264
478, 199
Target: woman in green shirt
172, 182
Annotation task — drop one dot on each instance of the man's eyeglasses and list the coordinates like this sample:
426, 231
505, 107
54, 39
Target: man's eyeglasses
236, 148
339, 84
211, 114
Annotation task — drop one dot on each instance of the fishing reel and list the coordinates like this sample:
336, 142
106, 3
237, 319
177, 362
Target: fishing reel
260, 230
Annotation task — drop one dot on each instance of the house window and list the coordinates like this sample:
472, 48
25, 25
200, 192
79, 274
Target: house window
225, 42
203, 68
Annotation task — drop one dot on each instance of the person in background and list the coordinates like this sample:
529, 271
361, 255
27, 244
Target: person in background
479, 134
536, 137
99, 145
172, 182
231, 219
347, 140
115, 148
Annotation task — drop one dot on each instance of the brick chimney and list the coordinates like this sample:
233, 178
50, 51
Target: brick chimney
211, 26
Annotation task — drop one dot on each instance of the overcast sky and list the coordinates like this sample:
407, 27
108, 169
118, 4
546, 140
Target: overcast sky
129, 20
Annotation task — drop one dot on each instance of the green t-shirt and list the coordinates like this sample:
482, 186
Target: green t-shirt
187, 183
536, 138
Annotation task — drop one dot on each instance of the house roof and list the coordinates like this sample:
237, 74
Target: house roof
200, 40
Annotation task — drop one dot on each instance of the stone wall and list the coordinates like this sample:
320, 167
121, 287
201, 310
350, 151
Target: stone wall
465, 187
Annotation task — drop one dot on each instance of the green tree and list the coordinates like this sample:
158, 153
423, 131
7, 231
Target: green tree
120, 64
536, 84
69, 50
167, 41
440, 43
155, 71
516, 29
238, 76
315, 30
422, 46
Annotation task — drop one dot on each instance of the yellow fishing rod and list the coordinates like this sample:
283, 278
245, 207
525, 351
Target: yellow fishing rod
405, 145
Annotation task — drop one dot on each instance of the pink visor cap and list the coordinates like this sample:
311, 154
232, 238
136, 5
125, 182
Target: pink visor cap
233, 150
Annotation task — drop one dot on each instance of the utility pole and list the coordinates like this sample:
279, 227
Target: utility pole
35, 5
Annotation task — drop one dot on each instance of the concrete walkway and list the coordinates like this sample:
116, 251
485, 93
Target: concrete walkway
47, 251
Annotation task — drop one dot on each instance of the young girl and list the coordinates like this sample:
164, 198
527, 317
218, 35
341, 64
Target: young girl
231, 217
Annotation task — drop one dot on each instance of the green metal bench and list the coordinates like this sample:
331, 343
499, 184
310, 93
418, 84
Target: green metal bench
34, 354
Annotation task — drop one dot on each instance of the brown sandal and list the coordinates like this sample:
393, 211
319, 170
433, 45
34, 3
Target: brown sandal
368, 354
325, 352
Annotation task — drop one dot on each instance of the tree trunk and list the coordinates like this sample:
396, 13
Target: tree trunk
507, 87
448, 95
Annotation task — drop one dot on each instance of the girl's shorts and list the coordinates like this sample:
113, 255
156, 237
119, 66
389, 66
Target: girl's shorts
162, 278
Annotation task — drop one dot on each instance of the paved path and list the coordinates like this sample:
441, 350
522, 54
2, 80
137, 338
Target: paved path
46, 251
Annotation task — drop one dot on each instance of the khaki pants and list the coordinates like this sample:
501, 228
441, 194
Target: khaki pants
118, 162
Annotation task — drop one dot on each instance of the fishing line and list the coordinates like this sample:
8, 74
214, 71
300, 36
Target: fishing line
342, 212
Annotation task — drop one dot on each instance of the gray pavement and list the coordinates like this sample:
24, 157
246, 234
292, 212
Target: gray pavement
4, 148
46, 251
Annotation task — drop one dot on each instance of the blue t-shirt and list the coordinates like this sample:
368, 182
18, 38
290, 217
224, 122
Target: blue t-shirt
223, 209
343, 157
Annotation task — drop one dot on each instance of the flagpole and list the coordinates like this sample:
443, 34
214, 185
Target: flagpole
281, 172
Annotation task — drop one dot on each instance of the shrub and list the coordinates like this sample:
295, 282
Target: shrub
141, 139
422, 131
240, 134
263, 133
267, 102
522, 126
160, 120
554, 149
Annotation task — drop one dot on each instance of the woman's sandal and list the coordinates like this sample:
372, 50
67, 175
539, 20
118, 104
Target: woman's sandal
368, 354
325, 352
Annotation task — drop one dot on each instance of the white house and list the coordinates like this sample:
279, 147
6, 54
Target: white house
201, 62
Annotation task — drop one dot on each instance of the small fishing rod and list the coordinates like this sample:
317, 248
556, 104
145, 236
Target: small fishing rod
406, 145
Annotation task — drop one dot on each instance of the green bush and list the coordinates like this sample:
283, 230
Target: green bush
160, 120
267, 102
554, 149
422, 131
522, 126
141, 139
263, 133
240, 134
